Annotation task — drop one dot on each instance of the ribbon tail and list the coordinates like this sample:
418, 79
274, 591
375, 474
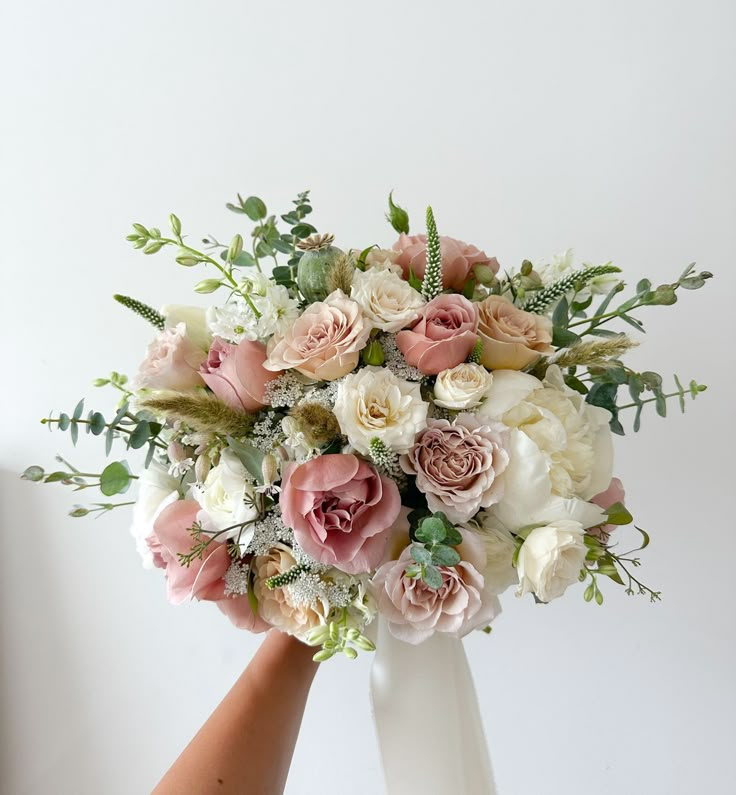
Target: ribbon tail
435, 750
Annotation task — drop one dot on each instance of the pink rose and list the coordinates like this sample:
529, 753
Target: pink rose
238, 609
172, 362
443, 335
235, 373
324, 343
613, 494
203, 578
458, 259
340, 509
457, 465
414, 611
512, 338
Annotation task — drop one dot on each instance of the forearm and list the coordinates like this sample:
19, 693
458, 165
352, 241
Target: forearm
247, 744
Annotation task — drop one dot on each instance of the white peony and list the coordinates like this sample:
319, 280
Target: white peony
387, 301
550, 559
227, 500
574, 436
500, 547
374, 403
462, 387
156, 491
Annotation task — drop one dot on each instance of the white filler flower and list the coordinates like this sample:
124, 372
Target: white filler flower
374, 403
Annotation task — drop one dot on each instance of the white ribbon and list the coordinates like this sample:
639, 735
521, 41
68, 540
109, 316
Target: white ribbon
427, 718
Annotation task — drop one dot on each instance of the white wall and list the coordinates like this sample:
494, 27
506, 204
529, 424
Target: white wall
609, 126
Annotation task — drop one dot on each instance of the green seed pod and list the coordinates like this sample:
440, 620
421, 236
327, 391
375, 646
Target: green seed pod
350, 653
373, 354
316, 265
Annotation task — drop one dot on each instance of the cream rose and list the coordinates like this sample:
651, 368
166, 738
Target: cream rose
277, 606
172, 362
374, 403
226, 499
324, 343
550, 559
195, 320
512, 339
386, 299
382, 259
464, 386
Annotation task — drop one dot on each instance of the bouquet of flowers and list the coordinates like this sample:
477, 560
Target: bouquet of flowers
405, 431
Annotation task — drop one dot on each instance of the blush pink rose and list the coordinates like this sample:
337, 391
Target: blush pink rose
235, 373
172, 362
341, 510
457, 465
202, 579
613, 494
324, 343
238, 609
458, 259
443, 336
463, 602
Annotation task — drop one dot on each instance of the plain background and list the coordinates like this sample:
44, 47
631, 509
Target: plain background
530, 127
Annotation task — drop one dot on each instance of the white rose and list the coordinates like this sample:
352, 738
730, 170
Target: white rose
574, 436
500, 547
382, 259
227, 500
157, 490
550, 559
373, 402
462, 387
387, 301
195, 320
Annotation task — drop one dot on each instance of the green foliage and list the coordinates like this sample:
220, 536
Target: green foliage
146, 312
434, 538
115, 478
432, 282
397, 216
250, 457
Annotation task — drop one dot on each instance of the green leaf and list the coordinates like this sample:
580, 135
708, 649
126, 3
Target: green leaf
603, 395
397, 216
681, 396
64, 422
637, 418
421, 555
149, 454
115, 479
660, 402
109, 437
431, 531
74, 432
140, 435
563, 338
643, 287
96, 423
414, 280
56, 477
561, 315
250, 457
33, 473
244, 260
576, 384
303, 230
432, 577
453, 536
443, 555
618, 514
78, 410
645, 538
469, 288
254, 208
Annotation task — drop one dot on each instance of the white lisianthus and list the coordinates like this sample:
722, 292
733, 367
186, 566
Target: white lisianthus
227, 500
387, 301
373, 402
157, 490
194, 318
573, 435
464, 386
500, 548
550, 559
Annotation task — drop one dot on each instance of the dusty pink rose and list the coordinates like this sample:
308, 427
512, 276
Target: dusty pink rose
613, 494
324, 342
340, 509
457, 465
512, 338
444, 334
235, 373
414, 611
202, 579
239, 610
172, 362
458, 259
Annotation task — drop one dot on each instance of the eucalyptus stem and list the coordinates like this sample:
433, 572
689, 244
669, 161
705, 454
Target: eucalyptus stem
651, 400
119, 428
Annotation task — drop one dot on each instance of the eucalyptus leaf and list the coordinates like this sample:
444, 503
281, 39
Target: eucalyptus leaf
33, 473
78, 410
431, 531
254, 208
443, 555
74, 432
421, 555
140, 435
64, 422
432, 577
115, 479
250, 457
96, 423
